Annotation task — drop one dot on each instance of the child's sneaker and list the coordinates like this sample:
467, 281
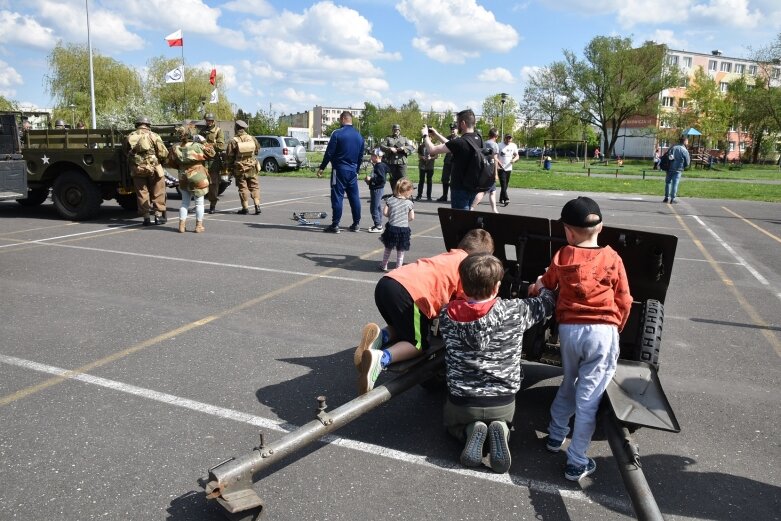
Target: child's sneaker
369, 370
499, 456
578, 472
472, 455
554, 445
370, 339
375, 229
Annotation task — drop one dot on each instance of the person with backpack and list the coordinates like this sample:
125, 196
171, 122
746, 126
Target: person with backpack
241, 159
145, 152
674, 162
470, 167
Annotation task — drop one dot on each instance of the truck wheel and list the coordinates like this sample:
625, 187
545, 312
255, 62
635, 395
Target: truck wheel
223, 186
270, 165
76, 197
34, 197
128, 202
650, 338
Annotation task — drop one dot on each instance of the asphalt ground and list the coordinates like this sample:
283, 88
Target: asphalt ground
133, 359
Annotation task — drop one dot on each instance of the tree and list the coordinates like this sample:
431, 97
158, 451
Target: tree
616, 82
709, 108
550, 96
492, 113
68, 83
6, 104
186, 100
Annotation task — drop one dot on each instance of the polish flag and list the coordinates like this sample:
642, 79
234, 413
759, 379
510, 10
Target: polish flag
175, 39
213, 76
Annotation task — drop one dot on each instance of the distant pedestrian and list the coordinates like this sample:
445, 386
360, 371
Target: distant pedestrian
657, 158
679, 161
426, 162
376, 182
241, 158
396, 148
215, 137
547, 162
597, 155
145, 152
447, 162
508, 154
490, 142
399, 211
344, 152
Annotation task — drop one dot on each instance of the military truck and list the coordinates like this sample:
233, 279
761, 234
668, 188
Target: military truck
80, 167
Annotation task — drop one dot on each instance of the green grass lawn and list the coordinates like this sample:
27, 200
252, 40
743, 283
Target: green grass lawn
572, 177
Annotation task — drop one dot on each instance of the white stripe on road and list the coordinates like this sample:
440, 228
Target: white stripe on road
110, 228
368, 448
762, 280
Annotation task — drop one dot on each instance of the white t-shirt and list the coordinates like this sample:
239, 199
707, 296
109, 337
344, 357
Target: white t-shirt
506, 153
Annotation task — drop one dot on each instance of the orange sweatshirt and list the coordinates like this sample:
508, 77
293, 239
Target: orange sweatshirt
431, 282
592, 283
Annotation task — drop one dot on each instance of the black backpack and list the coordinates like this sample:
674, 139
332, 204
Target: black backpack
666, 159
480, 174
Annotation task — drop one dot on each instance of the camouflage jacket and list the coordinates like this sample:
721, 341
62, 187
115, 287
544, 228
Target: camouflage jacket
403, 146
242, 162
214, 136
483, 357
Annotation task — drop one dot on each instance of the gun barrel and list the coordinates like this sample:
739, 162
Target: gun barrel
230, 483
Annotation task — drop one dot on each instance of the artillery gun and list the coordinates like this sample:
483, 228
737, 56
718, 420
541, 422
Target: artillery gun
525, 245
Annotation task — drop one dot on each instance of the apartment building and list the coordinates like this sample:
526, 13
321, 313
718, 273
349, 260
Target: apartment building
317, 119
637, 138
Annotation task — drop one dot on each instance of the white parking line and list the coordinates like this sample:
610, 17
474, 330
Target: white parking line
110, 228
368, 448
762, 280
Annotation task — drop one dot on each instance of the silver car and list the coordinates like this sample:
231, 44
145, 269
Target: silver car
280, 152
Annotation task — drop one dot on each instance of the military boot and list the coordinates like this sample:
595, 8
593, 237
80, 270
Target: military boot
212, 207
199, 227
257, 209
243, 211
161, 219
147, 221
182, 224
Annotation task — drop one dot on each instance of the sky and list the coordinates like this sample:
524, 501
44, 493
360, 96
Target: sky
288, 56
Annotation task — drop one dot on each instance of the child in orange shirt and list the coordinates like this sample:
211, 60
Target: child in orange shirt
592, 308
409, 298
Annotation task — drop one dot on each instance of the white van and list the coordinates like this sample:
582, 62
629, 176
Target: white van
318, 144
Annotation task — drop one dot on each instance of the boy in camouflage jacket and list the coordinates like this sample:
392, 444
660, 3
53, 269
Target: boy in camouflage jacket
483, 337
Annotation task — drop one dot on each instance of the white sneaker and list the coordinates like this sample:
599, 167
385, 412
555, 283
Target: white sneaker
369, 370
375, 229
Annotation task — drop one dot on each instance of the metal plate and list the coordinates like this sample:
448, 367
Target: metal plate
637, 398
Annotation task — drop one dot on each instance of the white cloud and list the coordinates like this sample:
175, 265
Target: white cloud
452, 31
528, 71
668, 37
732, 13
9, 80
69, 22
496, 75
254, 7
298, 96
25, 30
377, 84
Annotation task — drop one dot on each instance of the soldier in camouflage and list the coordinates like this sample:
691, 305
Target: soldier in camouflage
145, 152
189, 157
241, 160
483, 337
396, 148
214, 137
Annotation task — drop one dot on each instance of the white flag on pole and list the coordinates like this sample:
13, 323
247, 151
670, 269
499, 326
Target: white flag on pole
214, 97
175, 76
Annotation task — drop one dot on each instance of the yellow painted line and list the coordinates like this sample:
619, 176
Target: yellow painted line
764, 327
774, 237
27, 391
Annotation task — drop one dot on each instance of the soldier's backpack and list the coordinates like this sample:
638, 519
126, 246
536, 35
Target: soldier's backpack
480, 174
143, 143
666, 159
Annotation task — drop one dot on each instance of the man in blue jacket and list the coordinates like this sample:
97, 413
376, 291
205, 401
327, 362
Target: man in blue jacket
679, 160
344, 152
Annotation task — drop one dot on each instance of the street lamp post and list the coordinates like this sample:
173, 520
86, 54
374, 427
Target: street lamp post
503, 99
73, 115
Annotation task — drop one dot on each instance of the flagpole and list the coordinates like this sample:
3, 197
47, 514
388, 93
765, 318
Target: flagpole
184, 85
91, 72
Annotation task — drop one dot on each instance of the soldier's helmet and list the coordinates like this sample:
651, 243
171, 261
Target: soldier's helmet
241, 124
60, 123
183, 133
209, 117
143, 120
396, 126
453, 126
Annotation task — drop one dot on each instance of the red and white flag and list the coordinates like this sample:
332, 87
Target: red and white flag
175, 39
213, 77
